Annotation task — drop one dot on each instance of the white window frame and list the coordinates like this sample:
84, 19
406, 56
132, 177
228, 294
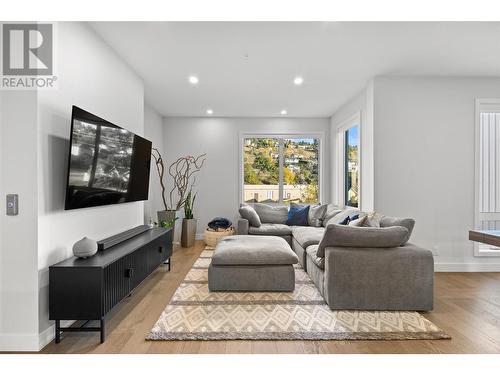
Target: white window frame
481, 249
354, 120
317, 135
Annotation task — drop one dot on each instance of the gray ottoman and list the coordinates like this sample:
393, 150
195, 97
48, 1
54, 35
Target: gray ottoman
252, 263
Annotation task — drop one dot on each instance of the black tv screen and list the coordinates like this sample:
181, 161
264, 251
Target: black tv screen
107, 164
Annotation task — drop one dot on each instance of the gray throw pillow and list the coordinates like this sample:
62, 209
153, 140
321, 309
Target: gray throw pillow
316, 213
331, 211
247, 212
347, 236
271, 214
408, 223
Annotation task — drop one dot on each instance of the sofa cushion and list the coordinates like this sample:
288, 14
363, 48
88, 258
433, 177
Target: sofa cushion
312, 253
306, 236
342, 216
253, 250
247, 212
271, 214
267, 229
347, 236
408, 223
297, 215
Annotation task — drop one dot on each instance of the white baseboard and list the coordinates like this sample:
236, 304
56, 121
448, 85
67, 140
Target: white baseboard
46, 337
19, 343
467, 267
49, 334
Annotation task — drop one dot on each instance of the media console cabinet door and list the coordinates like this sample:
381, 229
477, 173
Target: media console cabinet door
117, 282
139, 265
75, 293
158, 252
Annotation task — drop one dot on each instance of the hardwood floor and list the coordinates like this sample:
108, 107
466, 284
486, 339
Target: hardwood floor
467, 306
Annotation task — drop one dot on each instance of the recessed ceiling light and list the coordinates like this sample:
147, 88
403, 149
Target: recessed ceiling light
298, 81
284, 112
193, 80
210, 112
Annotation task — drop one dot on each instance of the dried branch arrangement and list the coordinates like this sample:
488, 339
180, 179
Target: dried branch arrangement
161, 172
183, 172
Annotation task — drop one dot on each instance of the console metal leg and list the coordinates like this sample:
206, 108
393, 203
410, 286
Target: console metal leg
81, 328
103, 331
58, 331
168, 263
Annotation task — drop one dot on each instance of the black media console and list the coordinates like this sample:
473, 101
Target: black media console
87, 289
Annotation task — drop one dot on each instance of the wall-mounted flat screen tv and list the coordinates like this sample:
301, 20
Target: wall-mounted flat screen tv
107, 164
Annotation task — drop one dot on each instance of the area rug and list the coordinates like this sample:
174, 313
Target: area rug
194, 313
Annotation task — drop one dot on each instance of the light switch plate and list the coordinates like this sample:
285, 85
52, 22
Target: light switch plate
12, 204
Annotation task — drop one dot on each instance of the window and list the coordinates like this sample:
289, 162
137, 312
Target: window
351, 167
487, 172
281, 169
348, 166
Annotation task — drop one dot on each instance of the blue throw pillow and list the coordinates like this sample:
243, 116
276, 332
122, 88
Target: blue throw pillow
297, 216
348, 219
345, 221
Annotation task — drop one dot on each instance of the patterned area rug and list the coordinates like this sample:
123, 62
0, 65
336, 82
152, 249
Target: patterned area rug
194, 313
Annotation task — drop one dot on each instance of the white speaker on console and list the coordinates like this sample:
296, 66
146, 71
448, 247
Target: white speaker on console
85, 248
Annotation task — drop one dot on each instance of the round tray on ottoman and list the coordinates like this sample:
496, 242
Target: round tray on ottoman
212, 237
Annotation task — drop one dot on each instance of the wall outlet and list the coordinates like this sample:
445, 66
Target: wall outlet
435, 250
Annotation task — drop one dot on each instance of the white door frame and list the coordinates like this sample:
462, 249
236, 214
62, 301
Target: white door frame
482, 105
353, 120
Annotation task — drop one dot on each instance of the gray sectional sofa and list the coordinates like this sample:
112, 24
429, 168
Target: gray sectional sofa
354, 267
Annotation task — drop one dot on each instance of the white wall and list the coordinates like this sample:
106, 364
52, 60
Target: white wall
18, 255
1, 212
218, 182
153, 130
363, 105
94, 78
424, 161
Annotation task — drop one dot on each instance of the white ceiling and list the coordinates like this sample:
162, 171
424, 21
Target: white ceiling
246, 69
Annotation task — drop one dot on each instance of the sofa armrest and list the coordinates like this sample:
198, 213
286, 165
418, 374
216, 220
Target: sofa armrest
243, 226
398, 278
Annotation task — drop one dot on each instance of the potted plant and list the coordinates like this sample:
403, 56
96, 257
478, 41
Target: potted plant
188, 222
182, 171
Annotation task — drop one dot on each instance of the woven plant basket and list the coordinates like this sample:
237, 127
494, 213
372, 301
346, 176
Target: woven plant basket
212, 237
